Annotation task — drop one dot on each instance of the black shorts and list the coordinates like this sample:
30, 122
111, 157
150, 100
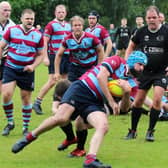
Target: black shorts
24, 80
148, 79
82, 99
122, 45
64, 66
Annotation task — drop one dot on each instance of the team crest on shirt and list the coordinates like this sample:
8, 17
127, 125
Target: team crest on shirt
164, 81
146, 38
113, 62
23, 49
160, 38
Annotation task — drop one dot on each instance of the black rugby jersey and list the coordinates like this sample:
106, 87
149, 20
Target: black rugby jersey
123, 34
155, 46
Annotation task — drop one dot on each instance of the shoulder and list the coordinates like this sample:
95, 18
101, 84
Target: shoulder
87, 34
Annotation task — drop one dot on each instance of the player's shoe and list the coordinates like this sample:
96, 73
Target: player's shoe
19, 145
150, 136
77, 153
37, 108
92, 162
7, 129
132, 134
66, 143
163, 117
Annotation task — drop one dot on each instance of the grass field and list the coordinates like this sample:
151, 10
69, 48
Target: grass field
115, 150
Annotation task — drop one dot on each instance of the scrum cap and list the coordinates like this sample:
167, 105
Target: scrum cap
137, 57
94, 13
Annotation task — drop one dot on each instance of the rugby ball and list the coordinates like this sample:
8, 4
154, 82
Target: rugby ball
114, 88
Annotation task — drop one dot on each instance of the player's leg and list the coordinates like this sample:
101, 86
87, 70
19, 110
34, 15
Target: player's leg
99, 121
60, 118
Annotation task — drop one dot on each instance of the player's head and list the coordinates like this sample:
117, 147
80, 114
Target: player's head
93, 18
61, 87
136, 62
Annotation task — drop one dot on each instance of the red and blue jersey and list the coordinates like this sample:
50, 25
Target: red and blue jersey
117, 68
100, 32
22, 46
56, 31
82, 51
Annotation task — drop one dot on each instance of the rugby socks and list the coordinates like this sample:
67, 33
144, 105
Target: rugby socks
154, 115
38, 101
30, 137
26, 114
68, 131
135, 116
8, 108
81, 136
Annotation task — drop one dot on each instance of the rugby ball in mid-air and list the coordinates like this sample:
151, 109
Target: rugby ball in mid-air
114, 88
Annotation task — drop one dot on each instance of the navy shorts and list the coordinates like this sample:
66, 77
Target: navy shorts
64, 66
2, 67
82, 99
147, 79
76, 71
24, 80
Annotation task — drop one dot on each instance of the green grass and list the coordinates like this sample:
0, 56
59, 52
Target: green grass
115, 150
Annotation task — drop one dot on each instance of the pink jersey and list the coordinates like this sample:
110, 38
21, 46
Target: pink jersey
22, 46
56, 31
82, 52
100, 32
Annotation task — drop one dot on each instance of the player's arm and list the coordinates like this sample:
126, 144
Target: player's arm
3, 44
100, 53
46, 59
103, 80
130, 48
108, 47
57, 62
125, 102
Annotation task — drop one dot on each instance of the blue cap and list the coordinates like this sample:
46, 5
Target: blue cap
136, 57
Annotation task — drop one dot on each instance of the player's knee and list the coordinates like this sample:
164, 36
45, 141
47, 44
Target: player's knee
103, 128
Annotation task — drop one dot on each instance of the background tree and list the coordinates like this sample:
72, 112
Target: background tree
111, 11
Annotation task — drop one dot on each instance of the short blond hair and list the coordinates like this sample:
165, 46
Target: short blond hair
76, 17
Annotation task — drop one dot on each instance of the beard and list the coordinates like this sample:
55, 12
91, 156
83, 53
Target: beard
135, 73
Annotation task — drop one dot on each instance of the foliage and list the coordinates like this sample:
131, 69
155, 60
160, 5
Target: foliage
111, 11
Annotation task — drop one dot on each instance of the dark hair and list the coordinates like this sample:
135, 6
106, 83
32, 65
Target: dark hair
94, 13
61, 87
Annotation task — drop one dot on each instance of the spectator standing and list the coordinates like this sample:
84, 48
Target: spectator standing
112, 32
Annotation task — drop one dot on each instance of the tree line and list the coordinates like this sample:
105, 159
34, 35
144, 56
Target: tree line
111, 11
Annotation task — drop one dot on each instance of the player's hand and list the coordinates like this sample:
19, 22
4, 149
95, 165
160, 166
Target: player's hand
46, 61
29, 68
115, 107
166, 71
57, 77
